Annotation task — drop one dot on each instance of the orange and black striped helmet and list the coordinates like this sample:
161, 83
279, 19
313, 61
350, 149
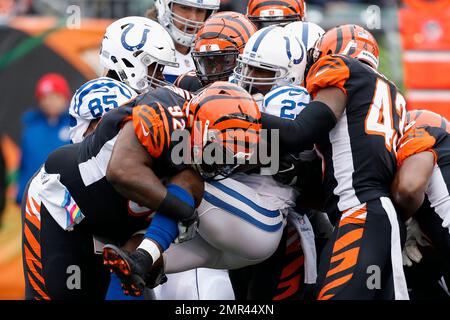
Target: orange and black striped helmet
350, 40
419, 118
279, 12
225, 125
218, 44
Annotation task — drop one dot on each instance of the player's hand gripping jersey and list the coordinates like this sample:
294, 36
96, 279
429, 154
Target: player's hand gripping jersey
360, 151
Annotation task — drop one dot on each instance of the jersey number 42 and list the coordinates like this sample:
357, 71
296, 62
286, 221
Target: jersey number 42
380, 120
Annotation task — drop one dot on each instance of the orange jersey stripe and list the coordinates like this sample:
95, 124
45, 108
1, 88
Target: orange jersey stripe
292, 284
415, 140
32, 241
31, 261
37, 289
33, 219
349, 259
329, 71
347, 239
331, 285
292, 267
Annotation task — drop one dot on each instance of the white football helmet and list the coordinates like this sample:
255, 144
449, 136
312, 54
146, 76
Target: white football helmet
167, 17
271, 49
131, 45
307, 32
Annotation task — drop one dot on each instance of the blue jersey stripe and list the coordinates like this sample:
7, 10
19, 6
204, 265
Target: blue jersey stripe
96, 85
241, 214
260, 38
280, 92
251, 204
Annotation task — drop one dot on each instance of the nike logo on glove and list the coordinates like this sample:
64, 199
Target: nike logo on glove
145, 132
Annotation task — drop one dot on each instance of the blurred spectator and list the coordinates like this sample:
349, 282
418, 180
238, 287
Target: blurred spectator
45, 128
2, 183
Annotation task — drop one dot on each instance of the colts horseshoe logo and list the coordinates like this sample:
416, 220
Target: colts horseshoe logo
139, 45
288, 50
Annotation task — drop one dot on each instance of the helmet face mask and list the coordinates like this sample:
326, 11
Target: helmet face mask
215, 65
156, 79
218, 45
261, 68
259, 78
185, 33
225, 123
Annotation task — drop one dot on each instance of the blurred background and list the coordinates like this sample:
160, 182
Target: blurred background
49, 48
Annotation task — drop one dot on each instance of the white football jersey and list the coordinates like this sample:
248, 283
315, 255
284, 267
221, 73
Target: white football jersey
92, 100
186, 64
286, 101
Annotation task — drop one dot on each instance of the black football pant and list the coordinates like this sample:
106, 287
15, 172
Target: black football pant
59, 264
363, 258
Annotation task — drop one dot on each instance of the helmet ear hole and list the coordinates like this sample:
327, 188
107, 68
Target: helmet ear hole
127, 63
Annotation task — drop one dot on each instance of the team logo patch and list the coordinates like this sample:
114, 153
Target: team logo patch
139, 45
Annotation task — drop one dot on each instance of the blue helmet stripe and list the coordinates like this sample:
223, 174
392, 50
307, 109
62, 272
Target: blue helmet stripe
260, 38
305, 35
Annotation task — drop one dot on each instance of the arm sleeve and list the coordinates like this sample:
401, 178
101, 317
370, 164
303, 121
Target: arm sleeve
329, 71
313, 123
151, 128
415, 141
2, 180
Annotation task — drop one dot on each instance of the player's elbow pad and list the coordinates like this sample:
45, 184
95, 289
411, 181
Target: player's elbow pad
311, 125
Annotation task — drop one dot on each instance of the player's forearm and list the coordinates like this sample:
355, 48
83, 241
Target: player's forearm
411, 182
138, 184
408, 203
313, 123
407, 196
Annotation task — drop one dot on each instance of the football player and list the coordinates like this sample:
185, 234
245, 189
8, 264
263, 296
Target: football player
420, 189
182, 19
261, 68
216, 49
132, 65
292, 274
356, 117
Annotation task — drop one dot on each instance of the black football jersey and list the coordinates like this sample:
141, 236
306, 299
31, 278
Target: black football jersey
83, 166
360, 151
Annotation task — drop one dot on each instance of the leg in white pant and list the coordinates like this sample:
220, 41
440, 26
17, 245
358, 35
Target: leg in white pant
225, 241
